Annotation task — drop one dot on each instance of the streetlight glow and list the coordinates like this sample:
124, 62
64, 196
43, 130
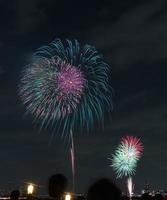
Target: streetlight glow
67, 197
30, 189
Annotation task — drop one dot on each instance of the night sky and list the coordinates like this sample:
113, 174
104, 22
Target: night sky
132, 35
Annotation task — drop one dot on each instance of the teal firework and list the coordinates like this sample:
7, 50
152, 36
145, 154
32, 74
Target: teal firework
124, 162
66, 87
127, 154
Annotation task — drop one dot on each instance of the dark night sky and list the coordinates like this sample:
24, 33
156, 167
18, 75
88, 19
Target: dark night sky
132, 35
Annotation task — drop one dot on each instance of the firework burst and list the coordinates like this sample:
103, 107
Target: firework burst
135, 144
66, 87
124, 161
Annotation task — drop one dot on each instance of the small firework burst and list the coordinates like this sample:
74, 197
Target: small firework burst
124, 161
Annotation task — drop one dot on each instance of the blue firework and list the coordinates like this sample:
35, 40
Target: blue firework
66, 87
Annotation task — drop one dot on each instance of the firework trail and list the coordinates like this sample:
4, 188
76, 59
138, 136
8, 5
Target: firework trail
66, 87
72, 153
130, 186
124, 161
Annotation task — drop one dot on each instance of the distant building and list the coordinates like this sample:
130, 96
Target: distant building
146, 189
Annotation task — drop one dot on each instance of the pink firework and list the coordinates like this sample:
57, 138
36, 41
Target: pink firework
70, 80
134, 143
70, 84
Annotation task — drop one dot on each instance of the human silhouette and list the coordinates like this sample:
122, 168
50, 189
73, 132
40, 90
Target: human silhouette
15, 194
104, 189
57, 186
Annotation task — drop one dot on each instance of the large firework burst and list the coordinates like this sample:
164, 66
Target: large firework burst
66, 86
124, 161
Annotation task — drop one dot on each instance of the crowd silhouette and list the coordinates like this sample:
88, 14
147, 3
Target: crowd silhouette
102, 189
57, 186
15, 194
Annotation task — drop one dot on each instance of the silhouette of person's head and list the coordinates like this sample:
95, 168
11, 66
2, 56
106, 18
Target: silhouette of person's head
15, 194
57, 185
104, 189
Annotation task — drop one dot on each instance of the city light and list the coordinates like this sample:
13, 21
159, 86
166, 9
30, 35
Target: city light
67, 197
30, 189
